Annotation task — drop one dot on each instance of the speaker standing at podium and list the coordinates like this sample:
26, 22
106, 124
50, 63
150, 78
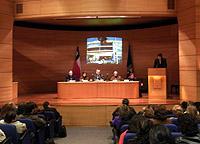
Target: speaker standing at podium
160, 62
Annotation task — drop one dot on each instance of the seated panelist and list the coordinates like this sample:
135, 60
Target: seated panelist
70, 76
116, 77
132, 77
84, 77
98, 76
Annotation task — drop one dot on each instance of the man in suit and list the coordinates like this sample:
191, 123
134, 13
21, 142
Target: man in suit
98, 76
160, 62
70, 76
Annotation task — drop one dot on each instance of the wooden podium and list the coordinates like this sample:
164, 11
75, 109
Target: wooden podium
157, 83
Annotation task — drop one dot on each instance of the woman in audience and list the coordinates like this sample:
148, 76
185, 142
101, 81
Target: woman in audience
30, 112
132, 127
159, 134
10, 118
192, 110
7, 108
161, 117
143, 127
148, 112
177, 110
189, 128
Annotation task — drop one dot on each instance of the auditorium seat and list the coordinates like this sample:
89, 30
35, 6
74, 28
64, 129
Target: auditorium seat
123, 128
171, 127
128, 137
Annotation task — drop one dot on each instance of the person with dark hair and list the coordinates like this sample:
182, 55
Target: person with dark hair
159, 134
10, 118
125, 101
160, 117
70, 76
189, 128
160, 62
84, 77
47, 107
184, 105
143, 127
7, 108
30, 113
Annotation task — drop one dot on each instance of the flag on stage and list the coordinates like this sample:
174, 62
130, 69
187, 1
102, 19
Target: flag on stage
129, 61
77, 65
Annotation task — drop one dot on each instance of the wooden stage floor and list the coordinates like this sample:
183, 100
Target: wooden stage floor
54, 100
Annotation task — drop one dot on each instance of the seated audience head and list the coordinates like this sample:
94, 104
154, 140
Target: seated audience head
177, 110
70, 72
7, 108
148, 112
45, 104
184, 105
192, 110
159, 134
21, 108
144, 125
125, 101
188, 125
197, 104
160, 115
30, 107
10, 117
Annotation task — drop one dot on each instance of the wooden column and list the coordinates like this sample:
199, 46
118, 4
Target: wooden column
188, 12
6, 27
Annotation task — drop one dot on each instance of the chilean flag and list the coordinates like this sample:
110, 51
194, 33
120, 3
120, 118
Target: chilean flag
77, 65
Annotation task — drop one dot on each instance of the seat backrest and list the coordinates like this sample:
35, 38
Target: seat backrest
171, 127
123, 128
29, 124
50, 115
176, 134
129, 136
10, 132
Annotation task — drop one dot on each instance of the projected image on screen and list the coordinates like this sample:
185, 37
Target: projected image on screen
107, 50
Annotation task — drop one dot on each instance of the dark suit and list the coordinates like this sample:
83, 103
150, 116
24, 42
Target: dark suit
98, 77
160, 64
68, 78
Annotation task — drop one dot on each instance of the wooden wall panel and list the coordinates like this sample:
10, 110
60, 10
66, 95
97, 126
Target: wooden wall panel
189, 35
52, 8
6, 26
43, 57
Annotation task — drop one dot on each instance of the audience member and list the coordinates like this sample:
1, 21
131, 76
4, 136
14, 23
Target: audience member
47, 107
159, 134
143, 127
30, 112
10, 118
189, 128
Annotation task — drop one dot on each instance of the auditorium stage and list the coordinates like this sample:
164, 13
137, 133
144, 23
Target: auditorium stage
92, 111
54, 100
